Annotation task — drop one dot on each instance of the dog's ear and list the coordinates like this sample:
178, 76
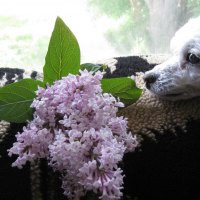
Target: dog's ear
190, 30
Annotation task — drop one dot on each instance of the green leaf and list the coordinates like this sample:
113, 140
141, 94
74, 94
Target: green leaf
63, 55
91, 67
124, 88
16, 98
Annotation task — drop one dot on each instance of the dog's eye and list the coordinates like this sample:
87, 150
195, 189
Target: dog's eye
192, 58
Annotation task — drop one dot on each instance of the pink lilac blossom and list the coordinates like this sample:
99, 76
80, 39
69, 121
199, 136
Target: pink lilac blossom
76, 128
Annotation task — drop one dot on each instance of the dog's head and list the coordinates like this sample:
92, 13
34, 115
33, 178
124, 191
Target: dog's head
179, 77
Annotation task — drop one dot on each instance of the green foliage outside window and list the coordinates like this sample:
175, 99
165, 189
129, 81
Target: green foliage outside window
133, 33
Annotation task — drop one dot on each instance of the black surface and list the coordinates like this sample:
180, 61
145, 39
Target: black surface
14, 182
166, 170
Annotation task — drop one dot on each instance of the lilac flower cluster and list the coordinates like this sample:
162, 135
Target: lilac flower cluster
76, 128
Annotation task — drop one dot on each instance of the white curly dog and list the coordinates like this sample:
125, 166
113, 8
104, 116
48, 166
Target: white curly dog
179, 77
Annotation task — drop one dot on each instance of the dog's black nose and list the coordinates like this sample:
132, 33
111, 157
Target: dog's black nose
149, 79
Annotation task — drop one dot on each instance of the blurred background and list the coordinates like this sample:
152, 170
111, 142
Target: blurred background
104, 28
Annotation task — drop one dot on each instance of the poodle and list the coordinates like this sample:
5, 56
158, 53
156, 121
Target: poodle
179, 77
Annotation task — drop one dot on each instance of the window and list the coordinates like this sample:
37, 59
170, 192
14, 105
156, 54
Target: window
104, 28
